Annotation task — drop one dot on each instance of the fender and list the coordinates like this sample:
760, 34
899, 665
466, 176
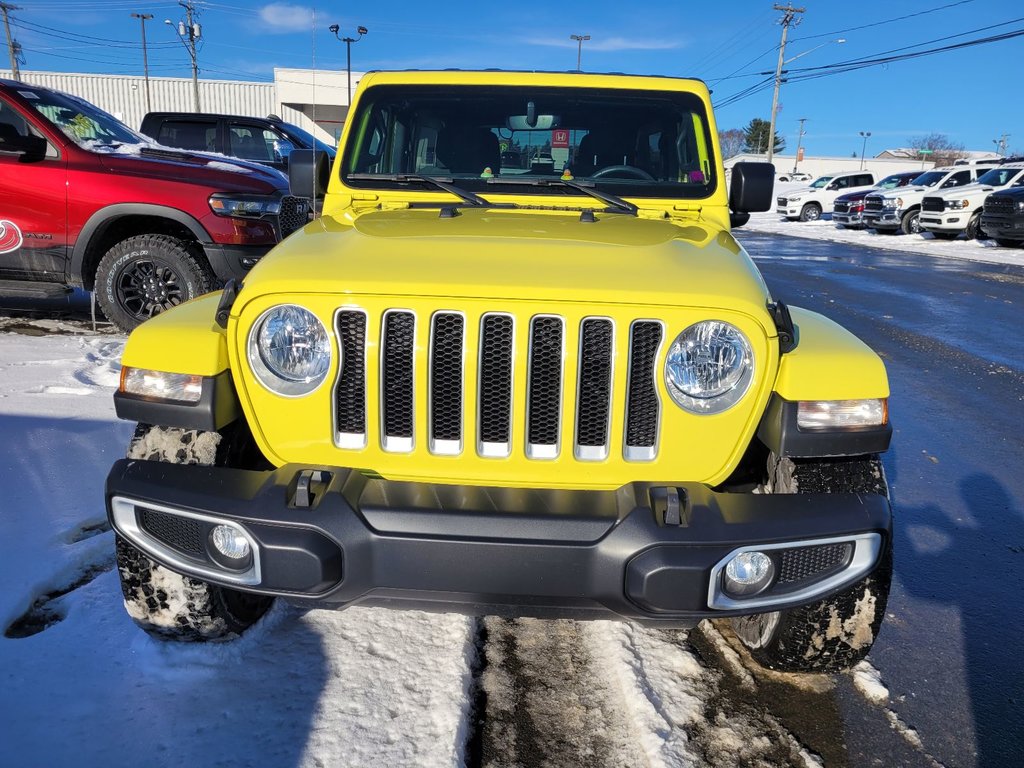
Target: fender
185, 339
104, 217
827, 363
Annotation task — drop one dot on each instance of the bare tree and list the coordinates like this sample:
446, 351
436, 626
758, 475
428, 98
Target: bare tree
942, 150
732, 141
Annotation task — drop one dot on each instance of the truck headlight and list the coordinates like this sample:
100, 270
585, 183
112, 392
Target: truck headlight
958, 204
794, 199
709, 367
289, 350
244, 206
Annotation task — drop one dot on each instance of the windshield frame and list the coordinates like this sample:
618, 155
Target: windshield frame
677, 109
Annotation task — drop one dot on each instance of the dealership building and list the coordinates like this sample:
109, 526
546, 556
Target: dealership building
314, 99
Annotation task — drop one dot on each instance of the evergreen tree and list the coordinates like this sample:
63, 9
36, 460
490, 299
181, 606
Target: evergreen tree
756, 137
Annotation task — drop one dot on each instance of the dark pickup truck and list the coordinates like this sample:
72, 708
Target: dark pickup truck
267, 140
1003, 216
85, 202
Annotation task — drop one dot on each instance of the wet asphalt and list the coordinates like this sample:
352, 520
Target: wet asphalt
951, 650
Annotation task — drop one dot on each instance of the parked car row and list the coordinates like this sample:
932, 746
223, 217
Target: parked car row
980, 199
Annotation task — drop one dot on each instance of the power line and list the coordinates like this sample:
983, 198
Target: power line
887, 21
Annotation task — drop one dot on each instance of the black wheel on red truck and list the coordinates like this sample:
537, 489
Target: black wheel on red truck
166, 604
835, 633
145, 275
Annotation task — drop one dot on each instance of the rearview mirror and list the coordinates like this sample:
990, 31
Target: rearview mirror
541, 122
31, 148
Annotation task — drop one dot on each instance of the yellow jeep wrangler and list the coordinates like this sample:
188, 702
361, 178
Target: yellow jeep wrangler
520, 366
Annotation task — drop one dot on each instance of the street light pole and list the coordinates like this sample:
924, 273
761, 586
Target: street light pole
579, 48
863, 146
348, 52
145, 63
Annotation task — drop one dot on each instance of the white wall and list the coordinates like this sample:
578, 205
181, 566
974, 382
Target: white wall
820, 166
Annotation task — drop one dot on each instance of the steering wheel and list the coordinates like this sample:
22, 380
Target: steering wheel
627, 170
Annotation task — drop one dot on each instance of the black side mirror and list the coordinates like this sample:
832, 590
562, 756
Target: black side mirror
309, 172
750, 190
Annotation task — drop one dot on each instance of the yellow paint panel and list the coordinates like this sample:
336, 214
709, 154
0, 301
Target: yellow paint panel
185, 339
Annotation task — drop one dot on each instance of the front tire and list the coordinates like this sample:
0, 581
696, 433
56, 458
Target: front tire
911, 223
973, 230
835, 633
166, 604
145, 275
810, 212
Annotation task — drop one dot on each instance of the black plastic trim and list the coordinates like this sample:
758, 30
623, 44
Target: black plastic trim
780, 432
543, 552
234, 261
217, 407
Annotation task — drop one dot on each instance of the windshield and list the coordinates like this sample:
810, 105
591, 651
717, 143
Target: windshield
82, 122
305, 138
999, 177
819, 183
891, 182
647, 143
930, 179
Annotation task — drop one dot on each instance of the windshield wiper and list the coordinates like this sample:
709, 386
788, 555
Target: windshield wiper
443, 183
616, 202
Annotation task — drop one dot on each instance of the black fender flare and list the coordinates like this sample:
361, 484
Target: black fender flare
104, 217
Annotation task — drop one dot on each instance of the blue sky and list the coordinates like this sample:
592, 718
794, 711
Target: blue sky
972, 95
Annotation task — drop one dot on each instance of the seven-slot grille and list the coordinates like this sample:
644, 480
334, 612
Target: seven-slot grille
443, 375
933, 205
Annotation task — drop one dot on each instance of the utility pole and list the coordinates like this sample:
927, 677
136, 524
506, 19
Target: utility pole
579, 48
12, 46
1001, 144
145, 63
799, 140
788, 18
188, 32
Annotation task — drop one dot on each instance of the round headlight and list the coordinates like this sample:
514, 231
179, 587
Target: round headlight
709, 367
289, 350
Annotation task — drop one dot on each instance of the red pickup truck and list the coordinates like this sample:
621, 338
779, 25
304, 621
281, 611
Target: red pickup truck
87, 202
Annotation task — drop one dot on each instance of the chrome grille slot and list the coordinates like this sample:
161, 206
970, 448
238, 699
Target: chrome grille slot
350, 393
447, 336
397, 380
643, 409
593, 398
494, 387
544, 388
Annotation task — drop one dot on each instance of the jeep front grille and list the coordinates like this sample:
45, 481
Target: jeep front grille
441, 372
933, 205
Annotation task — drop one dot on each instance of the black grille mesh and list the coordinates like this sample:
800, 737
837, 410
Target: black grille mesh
181, 533
642, 405
293, 214
841, 206
872, 204
351, 391
933, 204
595, 383
397, 374
995, 204
804, 563
496, 379
446, 377
545, 386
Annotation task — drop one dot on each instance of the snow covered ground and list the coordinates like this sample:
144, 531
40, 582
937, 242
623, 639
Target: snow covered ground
925, 244
83, 686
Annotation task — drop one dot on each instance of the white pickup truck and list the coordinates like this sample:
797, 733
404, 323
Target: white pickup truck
900, 209
947, 214
809, 203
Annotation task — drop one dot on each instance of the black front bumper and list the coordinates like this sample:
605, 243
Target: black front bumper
1003, 226
339, 538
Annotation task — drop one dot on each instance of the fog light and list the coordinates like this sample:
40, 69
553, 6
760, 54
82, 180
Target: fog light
230, 542
748, 573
